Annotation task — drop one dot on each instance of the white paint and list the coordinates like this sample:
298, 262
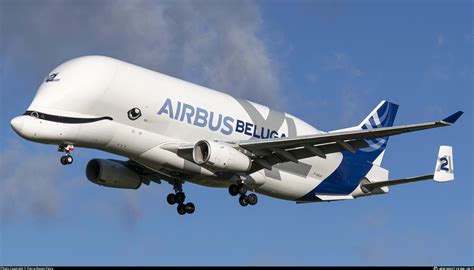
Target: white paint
97, 86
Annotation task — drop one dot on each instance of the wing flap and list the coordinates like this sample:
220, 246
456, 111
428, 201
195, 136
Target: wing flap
328, 198
270, 159
335, 197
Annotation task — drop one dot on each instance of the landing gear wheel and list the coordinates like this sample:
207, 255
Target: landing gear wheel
252, 199
181, 209
190, 208
233, 190
171, 198
242, 188
63, 160
180, 197
243, 200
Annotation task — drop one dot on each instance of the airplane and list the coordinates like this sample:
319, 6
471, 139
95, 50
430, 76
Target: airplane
174, 131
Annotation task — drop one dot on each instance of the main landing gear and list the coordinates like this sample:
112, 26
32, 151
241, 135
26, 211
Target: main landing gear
67, 158
244, 199
178, 198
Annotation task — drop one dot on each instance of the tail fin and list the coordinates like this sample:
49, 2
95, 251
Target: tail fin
444, 170
382, 116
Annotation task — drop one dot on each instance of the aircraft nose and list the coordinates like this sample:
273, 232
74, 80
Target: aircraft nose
17, 124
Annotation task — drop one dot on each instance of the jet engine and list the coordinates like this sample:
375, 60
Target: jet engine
220, 156
112, 173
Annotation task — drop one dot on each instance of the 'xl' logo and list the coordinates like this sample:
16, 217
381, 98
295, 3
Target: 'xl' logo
52, 77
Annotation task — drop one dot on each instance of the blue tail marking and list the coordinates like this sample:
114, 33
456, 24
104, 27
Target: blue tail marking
383, 116
453, 118
354, 166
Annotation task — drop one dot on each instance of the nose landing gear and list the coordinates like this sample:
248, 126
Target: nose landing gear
244, 199
67, 158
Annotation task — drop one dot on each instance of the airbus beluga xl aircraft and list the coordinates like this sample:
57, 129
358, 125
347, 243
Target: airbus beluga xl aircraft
174, 131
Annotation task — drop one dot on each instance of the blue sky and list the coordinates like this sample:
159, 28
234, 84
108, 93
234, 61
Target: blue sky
328, 63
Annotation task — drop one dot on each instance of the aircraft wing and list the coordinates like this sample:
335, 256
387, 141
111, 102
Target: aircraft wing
268, 152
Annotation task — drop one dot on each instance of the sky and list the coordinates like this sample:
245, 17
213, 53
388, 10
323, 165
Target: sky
326, 62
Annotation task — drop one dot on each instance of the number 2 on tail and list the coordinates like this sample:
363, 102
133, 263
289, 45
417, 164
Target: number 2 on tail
444, 164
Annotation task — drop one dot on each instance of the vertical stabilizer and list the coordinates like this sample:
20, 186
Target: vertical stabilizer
382, 116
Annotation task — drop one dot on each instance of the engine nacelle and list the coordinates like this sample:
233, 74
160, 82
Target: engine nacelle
110, 173
220, 156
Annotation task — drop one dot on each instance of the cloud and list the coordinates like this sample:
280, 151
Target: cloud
352, 103
339, 61
28, 184
351, 94
443, 67
215, 43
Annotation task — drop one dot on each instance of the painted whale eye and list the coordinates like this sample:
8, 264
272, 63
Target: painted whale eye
134, 114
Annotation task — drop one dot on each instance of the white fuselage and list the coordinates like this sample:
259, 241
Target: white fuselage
173, 112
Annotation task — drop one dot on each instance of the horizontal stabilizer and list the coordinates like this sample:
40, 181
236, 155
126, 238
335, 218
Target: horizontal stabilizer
371, 186
444, 171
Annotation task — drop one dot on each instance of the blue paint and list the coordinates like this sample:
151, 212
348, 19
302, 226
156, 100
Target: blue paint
354, 166
386, 115
453, 118
344, 179
444, 163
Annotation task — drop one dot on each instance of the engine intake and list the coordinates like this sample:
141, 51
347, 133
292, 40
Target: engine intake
220, 156
111, 173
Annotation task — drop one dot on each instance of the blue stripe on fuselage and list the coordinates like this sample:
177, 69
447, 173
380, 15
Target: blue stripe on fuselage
343, 180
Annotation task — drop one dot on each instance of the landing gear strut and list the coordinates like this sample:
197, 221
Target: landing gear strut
67, 158
178, 198
244, 199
